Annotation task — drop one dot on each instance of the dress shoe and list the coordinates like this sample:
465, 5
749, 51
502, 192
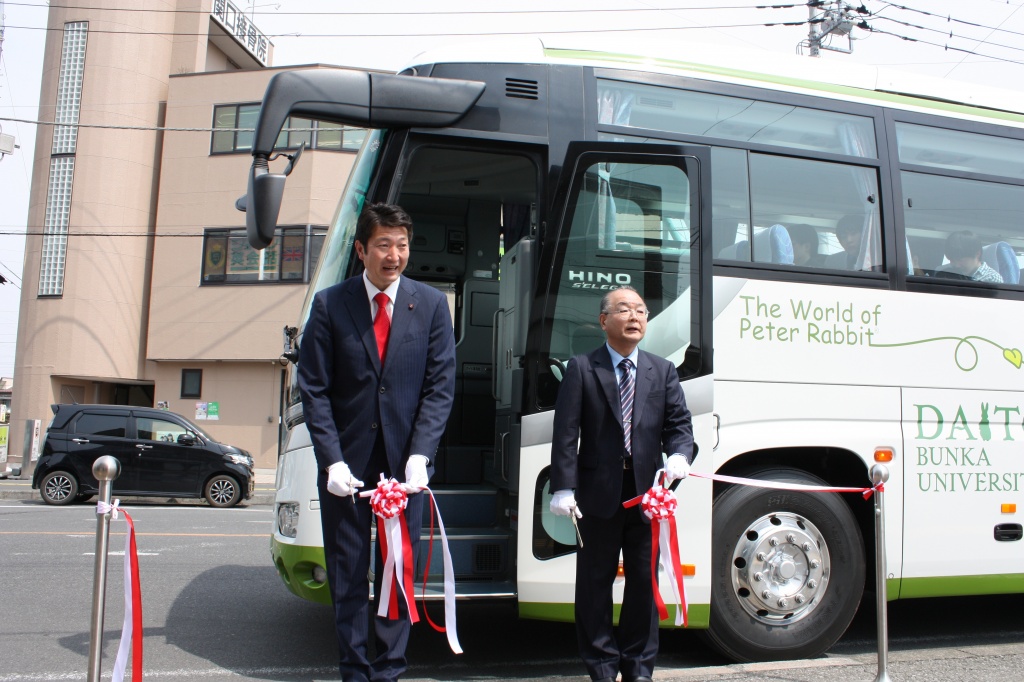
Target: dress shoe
641, 679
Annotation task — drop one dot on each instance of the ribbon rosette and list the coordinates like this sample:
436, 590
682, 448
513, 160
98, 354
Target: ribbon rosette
389, 502
659, 505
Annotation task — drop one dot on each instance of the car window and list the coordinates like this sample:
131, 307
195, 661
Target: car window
113, 425
159, 429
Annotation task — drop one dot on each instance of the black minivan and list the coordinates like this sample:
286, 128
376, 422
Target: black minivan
162, 454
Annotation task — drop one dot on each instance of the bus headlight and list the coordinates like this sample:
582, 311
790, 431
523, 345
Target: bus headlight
288, 519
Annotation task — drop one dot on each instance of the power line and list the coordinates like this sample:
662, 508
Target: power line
13, 274
436, 35
866, 27
425, 13
42, 233
155, 128
950, 19
950, 34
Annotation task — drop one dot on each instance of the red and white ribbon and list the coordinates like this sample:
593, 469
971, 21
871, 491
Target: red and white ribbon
389, 502
131, 630
449, 579
779, 485
659, 505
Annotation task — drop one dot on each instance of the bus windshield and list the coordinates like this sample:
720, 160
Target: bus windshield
335, 257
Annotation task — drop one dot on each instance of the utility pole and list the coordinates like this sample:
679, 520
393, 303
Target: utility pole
833, 18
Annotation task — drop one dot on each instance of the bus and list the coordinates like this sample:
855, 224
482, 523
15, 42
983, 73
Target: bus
788, 223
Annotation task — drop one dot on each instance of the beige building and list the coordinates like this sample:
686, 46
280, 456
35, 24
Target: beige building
141, 289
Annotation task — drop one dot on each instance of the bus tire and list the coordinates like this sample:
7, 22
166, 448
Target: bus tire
222, 491
788, 570
58, 488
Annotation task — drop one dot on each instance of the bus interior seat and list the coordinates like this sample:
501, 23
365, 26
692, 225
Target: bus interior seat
1000, 257
470, 430
773, 245
929, 254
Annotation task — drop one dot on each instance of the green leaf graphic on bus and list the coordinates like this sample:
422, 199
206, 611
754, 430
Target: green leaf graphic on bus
965, 354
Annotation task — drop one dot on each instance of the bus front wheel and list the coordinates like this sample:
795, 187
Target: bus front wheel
788, 569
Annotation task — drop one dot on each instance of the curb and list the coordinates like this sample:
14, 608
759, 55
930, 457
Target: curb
258, 498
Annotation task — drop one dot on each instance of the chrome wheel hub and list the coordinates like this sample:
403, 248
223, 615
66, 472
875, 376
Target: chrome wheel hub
780, 568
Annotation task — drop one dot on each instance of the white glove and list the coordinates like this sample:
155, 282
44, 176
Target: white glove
676, 468
416, 478
563, 503
340, 481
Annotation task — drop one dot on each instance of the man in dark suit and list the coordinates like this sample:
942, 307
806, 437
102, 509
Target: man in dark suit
618, 410
377, 377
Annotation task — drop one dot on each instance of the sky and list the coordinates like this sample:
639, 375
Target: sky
978, 41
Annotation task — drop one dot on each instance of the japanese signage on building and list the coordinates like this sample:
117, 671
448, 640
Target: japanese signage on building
242, 28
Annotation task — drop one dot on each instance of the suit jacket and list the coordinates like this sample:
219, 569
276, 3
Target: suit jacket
347, 400
587, 447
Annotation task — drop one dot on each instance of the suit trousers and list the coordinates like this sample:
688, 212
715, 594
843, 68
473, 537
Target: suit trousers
346, 530
631, 648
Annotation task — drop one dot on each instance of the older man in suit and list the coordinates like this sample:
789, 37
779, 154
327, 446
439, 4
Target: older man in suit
377, 376
618, 410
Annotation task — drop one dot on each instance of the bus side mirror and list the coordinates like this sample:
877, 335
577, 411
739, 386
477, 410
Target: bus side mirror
264, 196
263, 203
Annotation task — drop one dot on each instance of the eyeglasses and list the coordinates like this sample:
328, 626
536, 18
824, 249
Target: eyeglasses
626, 312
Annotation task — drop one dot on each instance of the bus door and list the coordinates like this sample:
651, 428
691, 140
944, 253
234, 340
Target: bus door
470, 201
637, 215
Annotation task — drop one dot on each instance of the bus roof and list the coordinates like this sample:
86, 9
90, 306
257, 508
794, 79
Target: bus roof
766, 69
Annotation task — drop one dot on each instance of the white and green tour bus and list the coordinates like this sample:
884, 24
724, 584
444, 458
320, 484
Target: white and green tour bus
786, 223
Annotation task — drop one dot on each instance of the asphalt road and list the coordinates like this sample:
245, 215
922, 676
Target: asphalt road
214, 609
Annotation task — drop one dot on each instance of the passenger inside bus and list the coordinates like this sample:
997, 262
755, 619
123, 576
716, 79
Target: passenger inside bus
849, 231
963, 249
805, 246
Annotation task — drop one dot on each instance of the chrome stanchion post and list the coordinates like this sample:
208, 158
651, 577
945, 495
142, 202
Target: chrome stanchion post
105, 469
879, 475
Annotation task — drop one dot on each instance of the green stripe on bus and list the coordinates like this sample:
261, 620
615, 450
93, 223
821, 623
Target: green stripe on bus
699, 614
954, 586
907, 100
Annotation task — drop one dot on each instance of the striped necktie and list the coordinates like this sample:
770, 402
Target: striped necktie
626, 389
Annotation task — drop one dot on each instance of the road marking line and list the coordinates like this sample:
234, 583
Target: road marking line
79, 534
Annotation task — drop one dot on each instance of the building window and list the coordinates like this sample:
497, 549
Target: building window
62, 160
55, 226
191, 383
291, 257
234, 123
69, 88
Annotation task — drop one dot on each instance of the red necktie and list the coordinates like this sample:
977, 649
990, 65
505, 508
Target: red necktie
381, 324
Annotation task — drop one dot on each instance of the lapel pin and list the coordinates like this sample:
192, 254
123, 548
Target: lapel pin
410, 306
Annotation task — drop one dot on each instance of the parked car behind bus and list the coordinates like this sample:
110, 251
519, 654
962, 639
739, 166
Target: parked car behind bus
162, 454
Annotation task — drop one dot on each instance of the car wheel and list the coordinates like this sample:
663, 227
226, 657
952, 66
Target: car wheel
58, 487
788, 570
223, 491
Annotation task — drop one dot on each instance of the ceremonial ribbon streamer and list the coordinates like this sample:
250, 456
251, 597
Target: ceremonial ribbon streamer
659, 505
778, 485
389, 502
449, 579
131, 630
